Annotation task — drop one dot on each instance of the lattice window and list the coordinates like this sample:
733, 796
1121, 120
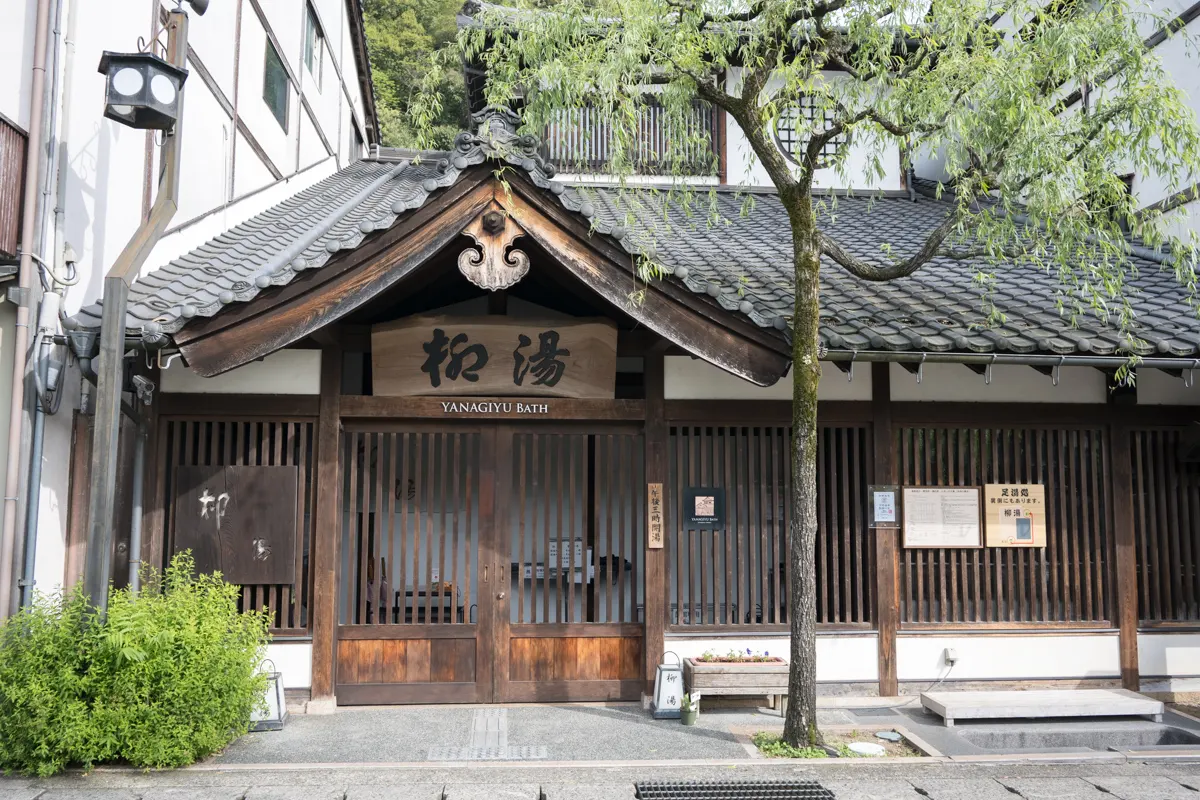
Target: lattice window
794, 124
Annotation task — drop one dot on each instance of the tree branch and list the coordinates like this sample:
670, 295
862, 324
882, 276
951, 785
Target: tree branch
870, 271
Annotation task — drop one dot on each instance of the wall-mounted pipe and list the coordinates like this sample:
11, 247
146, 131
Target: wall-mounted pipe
16, 412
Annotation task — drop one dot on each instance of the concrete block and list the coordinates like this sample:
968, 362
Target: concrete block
194, 793
89, 794
1040, 704
1054, 789
1145, 786
873, 790
321, 705
963, 789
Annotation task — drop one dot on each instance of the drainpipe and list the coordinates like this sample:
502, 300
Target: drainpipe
111, 363
135, 524
33, 163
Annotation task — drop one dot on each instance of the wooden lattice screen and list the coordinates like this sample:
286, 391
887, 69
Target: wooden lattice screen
1067, 582
738, 576
1166, 518
257, 442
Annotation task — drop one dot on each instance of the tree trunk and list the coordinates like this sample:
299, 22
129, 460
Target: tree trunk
800, 727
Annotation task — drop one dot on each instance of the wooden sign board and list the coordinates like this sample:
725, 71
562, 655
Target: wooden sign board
654, 512
239, 521
941, 516
1015, 514
505, 356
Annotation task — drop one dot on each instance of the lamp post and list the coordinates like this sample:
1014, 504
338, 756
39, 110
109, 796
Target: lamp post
143, 91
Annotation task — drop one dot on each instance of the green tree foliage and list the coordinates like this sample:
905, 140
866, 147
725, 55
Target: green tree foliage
170, 676
404, 38
1032, 179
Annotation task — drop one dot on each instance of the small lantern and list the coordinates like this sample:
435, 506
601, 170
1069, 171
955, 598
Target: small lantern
668, 688
143, 90
276, 713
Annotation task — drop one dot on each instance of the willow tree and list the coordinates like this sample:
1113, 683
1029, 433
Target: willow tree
984, 87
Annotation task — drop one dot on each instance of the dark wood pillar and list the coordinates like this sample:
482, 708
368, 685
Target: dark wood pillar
325, 529
81, 462
656, 472
154, 481
1121, 471
887, 565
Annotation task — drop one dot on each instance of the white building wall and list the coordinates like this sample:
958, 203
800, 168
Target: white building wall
223, 181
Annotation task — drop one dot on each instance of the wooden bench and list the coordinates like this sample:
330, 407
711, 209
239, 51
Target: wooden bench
1040, 704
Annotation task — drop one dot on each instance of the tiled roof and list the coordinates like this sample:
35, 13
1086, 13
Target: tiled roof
743, 262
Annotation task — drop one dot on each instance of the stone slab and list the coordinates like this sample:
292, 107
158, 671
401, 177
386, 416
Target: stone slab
412, 791
1054, 789
195, 793
873, 790
576, 791
513, 791
15, 793
88, 794
1147, 786
292, 792
963, 789
1040, 704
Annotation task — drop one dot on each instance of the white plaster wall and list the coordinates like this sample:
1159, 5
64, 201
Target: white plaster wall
294, 660
1157, 388
16, 59
1010, 384
282, 372
1174, 655
919, 657
841, 658
744, 168
688, 378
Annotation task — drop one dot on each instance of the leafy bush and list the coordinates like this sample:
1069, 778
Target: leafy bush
170, 676
772, 745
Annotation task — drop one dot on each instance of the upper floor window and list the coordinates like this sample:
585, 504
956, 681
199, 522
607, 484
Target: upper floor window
314, 44
275, 85
795, 125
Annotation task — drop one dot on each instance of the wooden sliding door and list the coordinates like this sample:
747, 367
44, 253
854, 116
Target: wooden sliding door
413, 598
570, 511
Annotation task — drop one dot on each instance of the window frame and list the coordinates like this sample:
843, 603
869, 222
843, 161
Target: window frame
282, 76
314, 44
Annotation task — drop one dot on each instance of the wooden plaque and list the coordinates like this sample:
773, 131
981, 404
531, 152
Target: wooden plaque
654, 516
238, 520
942, 516
1014, 514
497, 356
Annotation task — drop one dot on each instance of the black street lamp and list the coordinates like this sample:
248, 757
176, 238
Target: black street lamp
143, 90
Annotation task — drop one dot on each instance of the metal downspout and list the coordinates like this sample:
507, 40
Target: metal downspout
33, 162
135, 524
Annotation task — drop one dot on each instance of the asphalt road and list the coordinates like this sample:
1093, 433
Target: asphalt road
529, 781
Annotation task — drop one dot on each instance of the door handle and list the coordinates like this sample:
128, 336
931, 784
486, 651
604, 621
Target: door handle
485, 572
500, 596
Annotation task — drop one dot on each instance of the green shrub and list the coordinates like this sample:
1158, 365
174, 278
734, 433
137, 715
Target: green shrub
44, 712
170, 676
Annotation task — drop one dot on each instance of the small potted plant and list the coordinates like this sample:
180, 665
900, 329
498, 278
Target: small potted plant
689, 709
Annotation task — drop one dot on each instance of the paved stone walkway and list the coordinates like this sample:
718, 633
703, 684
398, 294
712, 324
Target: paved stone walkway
1169, 781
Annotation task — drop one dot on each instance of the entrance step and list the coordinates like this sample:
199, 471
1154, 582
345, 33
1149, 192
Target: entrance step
1040, 704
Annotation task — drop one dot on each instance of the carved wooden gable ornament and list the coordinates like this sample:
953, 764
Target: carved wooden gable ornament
487, 265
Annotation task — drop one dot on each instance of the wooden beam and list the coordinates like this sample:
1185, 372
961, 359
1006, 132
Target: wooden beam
477, 408
326, 529
1121, 492
887, 564
239, 405
81, 456
656, 472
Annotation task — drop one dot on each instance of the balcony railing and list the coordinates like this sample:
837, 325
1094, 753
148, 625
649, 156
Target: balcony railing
583, 141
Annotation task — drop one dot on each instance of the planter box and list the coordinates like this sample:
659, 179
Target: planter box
752, 678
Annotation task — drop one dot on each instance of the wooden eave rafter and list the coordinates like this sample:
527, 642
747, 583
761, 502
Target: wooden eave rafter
283, 316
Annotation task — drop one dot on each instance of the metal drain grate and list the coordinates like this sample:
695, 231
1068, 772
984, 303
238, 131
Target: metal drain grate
873, 712
734, 790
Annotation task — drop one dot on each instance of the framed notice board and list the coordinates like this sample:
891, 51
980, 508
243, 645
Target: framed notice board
941, 516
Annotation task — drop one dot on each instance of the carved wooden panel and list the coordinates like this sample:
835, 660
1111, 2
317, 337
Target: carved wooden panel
455, 356
491, 264
239, 520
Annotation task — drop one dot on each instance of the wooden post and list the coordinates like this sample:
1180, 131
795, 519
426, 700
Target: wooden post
325, 532
81, 459
1126, 554
656, 472
887, 568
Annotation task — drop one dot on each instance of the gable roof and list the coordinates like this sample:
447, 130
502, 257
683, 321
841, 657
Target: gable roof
743, 263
